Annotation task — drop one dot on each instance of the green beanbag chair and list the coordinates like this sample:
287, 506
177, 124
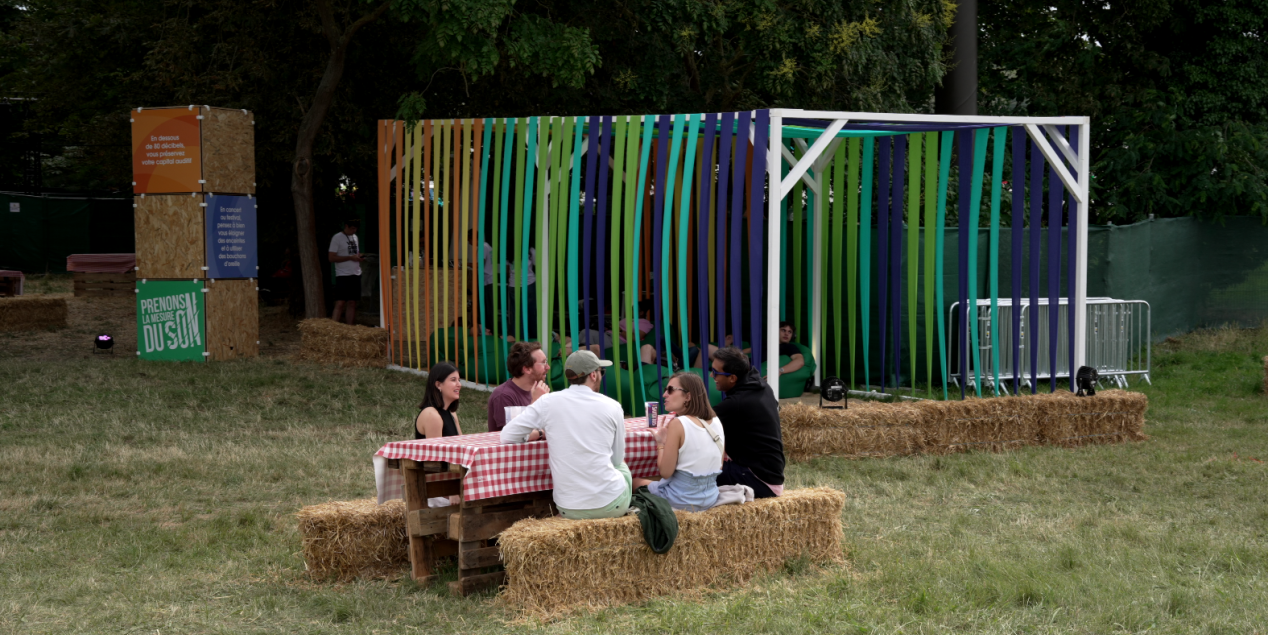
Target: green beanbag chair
794, 384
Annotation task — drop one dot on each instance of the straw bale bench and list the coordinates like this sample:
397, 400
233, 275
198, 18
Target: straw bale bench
555, 566
354, 539
326, 341
869, 429
26, 313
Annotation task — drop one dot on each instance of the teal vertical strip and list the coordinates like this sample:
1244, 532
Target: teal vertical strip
574, 260
649, 124
975, 206
527, 218
485, 149
667, 225
997, 174
865, 255
684, 228
944, 174
508, 146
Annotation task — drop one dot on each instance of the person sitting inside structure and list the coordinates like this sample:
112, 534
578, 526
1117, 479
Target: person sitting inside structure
750, 418
587, 442
689, 449
529, 369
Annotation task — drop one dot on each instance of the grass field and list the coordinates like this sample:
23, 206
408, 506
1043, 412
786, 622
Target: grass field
159, 498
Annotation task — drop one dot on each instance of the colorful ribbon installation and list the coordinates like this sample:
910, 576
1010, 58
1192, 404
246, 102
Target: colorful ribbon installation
572, 230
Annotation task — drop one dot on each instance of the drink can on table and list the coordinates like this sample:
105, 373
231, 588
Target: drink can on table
652, 408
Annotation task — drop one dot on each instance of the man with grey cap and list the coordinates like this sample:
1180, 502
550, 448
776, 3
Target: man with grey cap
586, 433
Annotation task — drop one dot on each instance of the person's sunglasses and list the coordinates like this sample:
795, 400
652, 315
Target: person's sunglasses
718, 373
669, 390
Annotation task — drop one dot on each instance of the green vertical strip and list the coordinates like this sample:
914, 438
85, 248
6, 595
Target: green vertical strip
944, 173
431, 189
997, 175
837, 250
684, 227
852, 250
446, 236
573, 160
798, 224
499, 236
520, 272
914, 147
554, 256
975, 206
865, 254
649, 125
930, 233
614, 204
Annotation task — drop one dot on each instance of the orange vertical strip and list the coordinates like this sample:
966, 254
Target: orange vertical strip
398, 128
455, 134
385, 208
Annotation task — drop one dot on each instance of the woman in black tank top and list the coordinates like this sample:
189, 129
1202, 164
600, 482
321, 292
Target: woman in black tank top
437, 413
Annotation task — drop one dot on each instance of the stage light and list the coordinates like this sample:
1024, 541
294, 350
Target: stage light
1085, 380
104, 343
833, 394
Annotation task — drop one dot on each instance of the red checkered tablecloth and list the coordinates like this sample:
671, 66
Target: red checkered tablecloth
496, 469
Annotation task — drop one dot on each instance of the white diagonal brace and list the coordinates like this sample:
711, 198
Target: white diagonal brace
808, 159
792, 160
1071, 184
1062, 144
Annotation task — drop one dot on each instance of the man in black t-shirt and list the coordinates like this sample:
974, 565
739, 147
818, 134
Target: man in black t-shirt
789, 349
750, 418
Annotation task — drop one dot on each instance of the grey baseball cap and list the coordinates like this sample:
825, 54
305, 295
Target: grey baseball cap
584, 362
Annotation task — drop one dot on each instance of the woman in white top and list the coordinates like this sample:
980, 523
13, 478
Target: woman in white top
689, 448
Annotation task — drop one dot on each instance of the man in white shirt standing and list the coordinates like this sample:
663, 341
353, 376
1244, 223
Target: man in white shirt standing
345, 252
586, 433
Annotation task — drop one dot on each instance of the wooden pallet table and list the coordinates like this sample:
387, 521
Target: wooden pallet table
467, 530
104, 284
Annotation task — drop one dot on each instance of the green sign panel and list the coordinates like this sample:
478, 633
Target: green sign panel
169, 318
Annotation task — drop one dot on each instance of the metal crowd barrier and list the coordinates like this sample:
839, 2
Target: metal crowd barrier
1118, 341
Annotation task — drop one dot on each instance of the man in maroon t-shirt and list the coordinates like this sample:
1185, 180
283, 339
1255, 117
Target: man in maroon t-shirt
529, 368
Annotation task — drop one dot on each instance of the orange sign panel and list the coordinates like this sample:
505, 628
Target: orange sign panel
166, 152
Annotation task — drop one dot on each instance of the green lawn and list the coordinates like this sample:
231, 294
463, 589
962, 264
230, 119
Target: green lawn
159, 498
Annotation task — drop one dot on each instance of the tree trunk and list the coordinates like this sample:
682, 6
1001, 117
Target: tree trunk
302, 168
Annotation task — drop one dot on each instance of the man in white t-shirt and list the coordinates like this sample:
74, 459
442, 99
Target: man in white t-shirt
585, 431
345, 253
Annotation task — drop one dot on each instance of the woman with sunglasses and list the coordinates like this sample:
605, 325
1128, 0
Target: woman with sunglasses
689, 448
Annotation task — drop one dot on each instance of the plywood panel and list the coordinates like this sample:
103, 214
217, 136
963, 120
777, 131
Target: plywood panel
228, 145
169, 236
233, 319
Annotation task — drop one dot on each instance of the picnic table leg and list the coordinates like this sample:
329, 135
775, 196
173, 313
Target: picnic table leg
480, 521
422, 550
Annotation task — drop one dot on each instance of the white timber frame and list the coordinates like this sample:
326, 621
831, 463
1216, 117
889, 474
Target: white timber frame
811, 168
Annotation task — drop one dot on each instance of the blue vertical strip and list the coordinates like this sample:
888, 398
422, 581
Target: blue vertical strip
1072, 250
587, 236
705, 185
663, 127
1056, 195
865, 250
726, 134
522, 267
737, 217
966, 173
1036, 221
757, 215
603, 205
882, 248
896, 253
1018, 183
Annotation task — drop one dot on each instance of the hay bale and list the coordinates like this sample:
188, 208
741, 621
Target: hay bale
329, 342
354, 539
27, 313
865, 429
555, 566
1112, 416
869, 429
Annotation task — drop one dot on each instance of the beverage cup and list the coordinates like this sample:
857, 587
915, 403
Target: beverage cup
652, 408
